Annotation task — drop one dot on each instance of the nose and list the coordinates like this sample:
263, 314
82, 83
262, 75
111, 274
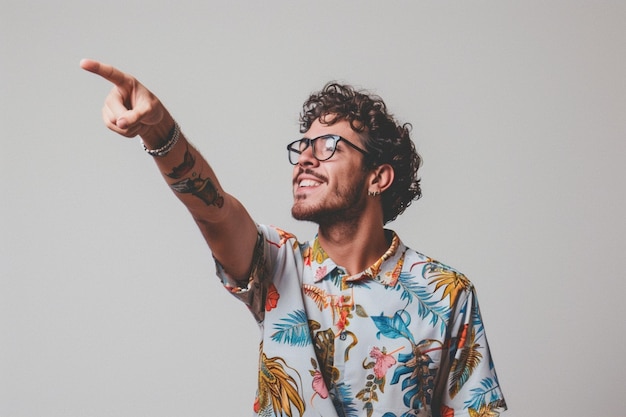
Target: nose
306, 158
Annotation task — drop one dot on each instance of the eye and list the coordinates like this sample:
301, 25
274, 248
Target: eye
329, 145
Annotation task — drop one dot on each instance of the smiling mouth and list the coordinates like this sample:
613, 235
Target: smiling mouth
309, 183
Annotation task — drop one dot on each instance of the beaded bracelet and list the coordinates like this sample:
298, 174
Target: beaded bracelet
165, 149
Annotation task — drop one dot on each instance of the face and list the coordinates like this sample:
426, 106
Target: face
334, 189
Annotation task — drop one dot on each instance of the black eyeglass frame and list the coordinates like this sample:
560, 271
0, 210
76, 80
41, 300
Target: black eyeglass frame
310, 143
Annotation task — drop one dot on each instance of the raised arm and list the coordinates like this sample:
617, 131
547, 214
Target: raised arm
132, 110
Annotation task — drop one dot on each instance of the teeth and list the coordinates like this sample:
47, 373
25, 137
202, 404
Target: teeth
309, 183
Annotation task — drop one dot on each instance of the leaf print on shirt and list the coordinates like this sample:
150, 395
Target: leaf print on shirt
478, 406
418, 378
278, 391
394, 327
318, 295
418, 372
484, 411
293, 329
452, 281
319, 255
341, 305
463, 366
427, 304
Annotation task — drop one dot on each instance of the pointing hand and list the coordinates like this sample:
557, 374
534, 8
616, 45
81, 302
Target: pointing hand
130, 109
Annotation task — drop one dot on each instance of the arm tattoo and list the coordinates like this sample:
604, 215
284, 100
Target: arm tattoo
184, 168
204, 189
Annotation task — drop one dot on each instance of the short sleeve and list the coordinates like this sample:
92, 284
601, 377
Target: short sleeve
472, 384
270, 251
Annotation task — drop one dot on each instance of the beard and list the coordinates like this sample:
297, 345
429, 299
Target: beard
342, 205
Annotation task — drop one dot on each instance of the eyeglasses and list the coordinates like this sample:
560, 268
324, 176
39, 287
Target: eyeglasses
323, 147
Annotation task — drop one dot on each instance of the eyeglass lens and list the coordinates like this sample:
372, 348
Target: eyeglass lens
323, 148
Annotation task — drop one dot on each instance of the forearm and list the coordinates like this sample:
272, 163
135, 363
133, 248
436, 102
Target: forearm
223, 221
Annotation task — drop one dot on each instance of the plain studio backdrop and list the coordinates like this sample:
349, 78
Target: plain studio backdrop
109, 304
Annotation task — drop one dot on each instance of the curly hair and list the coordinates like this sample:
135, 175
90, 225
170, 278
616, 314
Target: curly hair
388, 142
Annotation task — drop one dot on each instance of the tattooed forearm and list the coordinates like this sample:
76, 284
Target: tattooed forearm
184, 168
204, 189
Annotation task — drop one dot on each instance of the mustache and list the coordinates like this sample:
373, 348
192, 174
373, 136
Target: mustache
310, 172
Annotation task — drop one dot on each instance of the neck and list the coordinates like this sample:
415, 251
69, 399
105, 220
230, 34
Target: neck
354, 245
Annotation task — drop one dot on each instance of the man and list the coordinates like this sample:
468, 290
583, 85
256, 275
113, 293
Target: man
353, 323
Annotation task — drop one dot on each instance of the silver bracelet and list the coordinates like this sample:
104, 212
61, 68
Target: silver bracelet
165, 149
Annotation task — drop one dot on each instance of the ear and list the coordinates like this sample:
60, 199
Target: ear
381, 178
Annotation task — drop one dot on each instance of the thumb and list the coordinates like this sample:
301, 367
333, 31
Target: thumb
145, 112
140, 114
127, 119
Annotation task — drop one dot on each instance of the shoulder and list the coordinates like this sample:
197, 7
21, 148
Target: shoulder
435, 272
278, 240
275, 235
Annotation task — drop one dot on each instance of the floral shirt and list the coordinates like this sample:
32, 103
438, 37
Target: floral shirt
402, 338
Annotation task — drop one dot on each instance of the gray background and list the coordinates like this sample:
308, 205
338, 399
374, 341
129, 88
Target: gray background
108, 301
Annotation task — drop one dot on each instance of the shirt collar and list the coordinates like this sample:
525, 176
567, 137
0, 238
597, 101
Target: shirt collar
323, 265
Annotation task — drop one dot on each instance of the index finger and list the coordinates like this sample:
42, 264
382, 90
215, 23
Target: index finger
108, 72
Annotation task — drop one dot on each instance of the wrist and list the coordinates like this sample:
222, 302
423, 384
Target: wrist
155, 135
159, 143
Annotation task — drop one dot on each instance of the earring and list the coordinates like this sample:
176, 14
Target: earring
373, 193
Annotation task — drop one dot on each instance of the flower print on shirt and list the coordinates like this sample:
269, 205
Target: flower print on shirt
272, 298
383, 362
320, 273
